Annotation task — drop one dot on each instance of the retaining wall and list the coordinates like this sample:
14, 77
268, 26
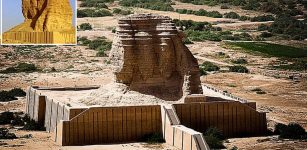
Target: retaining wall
48, 112
179, 135
234, 119
98, 125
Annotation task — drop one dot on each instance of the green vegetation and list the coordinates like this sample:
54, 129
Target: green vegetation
11, 94
269, 49
100, 44
21, 67
290, 131
162, 5
30, 124
274, 7
209, 66
202, 35
232, 15
201, 12
121, 11
201, 31
288, 26
85, 26
297, 65
258, 91
239, 69
265, 35
5, 134
196, 26
239, 61
93, 13
214, 138
263, 27
95, 3
263, 18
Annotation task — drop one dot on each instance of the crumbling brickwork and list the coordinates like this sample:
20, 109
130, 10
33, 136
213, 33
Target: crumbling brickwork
46, 21
152, 58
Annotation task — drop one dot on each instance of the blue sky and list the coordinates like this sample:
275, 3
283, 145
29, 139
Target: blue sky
12, 13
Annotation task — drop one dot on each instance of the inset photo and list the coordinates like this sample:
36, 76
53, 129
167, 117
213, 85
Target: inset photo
38, 22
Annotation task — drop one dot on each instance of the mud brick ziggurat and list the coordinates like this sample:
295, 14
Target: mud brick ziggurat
46, 22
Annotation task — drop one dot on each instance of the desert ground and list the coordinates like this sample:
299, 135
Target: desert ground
285, 99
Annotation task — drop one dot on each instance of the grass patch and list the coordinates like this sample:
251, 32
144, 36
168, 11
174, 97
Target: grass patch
269, 49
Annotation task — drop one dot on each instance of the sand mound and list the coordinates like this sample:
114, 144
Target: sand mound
117, 94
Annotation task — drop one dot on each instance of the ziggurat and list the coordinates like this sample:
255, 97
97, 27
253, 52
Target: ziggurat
46, 22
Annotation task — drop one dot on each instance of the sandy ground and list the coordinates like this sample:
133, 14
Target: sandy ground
43, 141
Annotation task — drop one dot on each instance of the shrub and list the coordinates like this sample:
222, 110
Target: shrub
240, 69
114, 30
85, 26
224, 6
17, 92
21, 67
260, 92
290, 131
162, 5
239, 61
95, 3
83, 40
214, 14
244, 18
101, 53
265, 35
121, 12
232, 15
297, 65
32, 125
6, 96
202, 35
99, 44
208, 66
6, 117
81, 13
263, 27
5, 134
214, 132
214, 137
11, 95
263, 18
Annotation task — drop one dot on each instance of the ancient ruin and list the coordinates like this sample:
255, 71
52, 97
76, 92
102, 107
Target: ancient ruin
152, 59
46, 22
156, 90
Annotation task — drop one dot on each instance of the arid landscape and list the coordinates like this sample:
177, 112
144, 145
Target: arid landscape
276, 80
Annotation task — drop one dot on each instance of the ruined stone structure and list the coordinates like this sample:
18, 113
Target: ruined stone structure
152, 58
46, 21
